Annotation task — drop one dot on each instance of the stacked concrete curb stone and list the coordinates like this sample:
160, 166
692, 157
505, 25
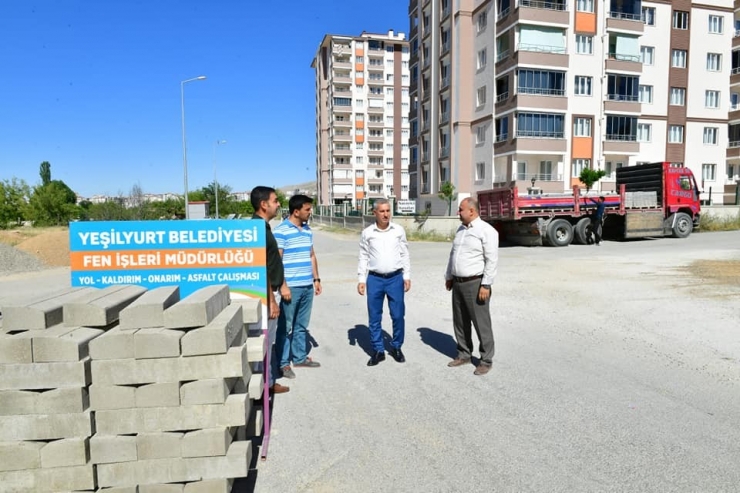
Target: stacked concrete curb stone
45, 419
142, 392
170, 394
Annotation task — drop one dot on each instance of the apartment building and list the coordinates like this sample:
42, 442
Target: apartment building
733, 150
541, 90
362, 123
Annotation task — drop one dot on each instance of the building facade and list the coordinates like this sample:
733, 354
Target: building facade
540, 90
362, 123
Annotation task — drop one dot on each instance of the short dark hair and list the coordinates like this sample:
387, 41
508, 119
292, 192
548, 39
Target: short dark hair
602, 198
260, 194
297, 202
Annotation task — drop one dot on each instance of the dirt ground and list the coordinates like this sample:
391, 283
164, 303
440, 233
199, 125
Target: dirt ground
50, 245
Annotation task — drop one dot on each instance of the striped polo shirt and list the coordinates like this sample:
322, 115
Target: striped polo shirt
296, 245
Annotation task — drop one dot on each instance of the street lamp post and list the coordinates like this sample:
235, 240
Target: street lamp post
184, 142
215, 176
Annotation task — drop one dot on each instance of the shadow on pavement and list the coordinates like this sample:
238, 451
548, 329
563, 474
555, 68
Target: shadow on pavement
360, 336
443, 343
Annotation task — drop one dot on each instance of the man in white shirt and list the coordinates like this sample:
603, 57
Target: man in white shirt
470, 273
384, 270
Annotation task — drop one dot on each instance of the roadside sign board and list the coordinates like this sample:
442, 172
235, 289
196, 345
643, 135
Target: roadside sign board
406, 206
190, 254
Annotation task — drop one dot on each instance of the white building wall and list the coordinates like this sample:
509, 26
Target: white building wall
482, 152
700, 78
656, 75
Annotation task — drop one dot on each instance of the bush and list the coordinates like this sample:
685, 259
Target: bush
714, 223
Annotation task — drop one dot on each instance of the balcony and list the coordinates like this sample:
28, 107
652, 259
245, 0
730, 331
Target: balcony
542, 99
445, 48
375, 138
621, 144
342, 151
375, 67
502, 137
341, 63
502, 97
541, 142
622, 103
623, 63
736, 39
341, 49
344, 137
445, 83
537, 12
341, 77
535, 55
733, 150
734, 114
375, 124
375, 151
444, 152
424, 157
342, 123
445, 118
627, 22
375, 109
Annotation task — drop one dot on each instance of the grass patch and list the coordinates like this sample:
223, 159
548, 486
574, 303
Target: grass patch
15, 236
714, 223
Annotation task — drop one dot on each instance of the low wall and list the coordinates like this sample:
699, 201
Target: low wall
442, 225
721, 211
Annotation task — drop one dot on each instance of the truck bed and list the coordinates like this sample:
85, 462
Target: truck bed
508, 204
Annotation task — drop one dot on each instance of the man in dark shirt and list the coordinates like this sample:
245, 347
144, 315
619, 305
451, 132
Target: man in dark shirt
266, 206
597, 218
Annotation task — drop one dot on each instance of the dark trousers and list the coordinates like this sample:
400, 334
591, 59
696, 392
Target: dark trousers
596, 228
467, 310
378, 288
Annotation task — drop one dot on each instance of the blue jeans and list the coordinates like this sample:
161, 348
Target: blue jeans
292, 326
377, 290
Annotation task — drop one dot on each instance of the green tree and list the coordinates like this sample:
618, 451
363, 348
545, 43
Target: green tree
14, 195
52, 204
590, 176
281, 198
226, 203
45, 172
448, 194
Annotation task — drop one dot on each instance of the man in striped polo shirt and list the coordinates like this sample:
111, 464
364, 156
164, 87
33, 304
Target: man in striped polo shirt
302, 282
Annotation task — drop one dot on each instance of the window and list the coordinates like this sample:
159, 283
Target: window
359, 146
581, 127
708, 171
610, 167
678, 96
711, 99
342, 101
480, 170
521, 170
731, 172
647, 55
675, 134
389, 132
480, 134
648, 16
622, 128
545, 125
734, 101
710, 135
482, 55
644, 132
359, 103
545, 82
584, 44
585, 5
482, 21
583, 85
579, 165
678, 58
622, 87
546, 171
645, 94
502, 129
714, 62
715, 24
680, 19
481, 96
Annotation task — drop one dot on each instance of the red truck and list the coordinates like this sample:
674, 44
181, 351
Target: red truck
652, 200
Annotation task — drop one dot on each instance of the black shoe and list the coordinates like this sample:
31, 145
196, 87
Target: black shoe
397, 355
378, 356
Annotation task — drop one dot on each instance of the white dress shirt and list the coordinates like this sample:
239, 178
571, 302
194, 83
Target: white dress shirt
474, 252
383, 251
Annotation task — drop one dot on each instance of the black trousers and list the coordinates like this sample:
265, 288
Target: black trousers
596, 229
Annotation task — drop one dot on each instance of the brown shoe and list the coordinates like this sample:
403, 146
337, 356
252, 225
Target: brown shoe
482, 369
279, 389
458, 362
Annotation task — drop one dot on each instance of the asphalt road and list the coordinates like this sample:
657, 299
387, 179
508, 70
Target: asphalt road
615, 370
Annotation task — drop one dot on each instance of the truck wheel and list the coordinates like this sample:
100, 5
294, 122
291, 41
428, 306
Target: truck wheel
682, 225
582, 231
559, 233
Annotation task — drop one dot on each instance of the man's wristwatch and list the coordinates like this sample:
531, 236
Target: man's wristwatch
317, 280
487, 286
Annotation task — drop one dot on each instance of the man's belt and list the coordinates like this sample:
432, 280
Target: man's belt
467, 279
385, 276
